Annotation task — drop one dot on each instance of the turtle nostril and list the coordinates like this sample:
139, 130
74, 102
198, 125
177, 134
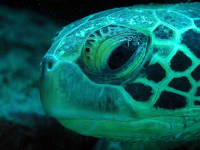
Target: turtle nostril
48, 63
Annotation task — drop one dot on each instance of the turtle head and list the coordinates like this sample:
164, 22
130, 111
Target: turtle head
128, 74
82, 79
84, 76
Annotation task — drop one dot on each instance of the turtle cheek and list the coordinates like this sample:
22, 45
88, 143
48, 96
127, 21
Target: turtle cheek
66, 92
57, 88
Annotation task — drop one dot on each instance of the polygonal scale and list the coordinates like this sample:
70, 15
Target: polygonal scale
174, 19
137, 90
181, 84
163, 51
154, 72
191, 39
191, 10
170, 100
143, 18
164, 32
180, 62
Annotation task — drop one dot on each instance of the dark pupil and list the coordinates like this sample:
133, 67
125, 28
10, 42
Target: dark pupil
120, 56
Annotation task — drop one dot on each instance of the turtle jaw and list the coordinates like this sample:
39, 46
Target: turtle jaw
57, 88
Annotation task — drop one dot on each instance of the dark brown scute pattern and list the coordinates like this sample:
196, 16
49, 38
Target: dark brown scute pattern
161, 51
154, 72
169, 100
137, 90
163, 32
191, 39
180, 62
181, 83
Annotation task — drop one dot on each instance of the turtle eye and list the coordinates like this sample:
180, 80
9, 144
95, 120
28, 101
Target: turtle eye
121, 56
113, 53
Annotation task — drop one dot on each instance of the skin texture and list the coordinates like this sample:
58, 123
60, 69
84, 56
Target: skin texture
128, 74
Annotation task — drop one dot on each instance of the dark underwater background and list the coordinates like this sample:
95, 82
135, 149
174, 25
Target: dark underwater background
26, 31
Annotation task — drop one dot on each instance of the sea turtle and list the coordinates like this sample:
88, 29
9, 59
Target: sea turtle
128, 74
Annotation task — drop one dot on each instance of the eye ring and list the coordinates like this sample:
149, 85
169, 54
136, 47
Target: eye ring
115, 55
